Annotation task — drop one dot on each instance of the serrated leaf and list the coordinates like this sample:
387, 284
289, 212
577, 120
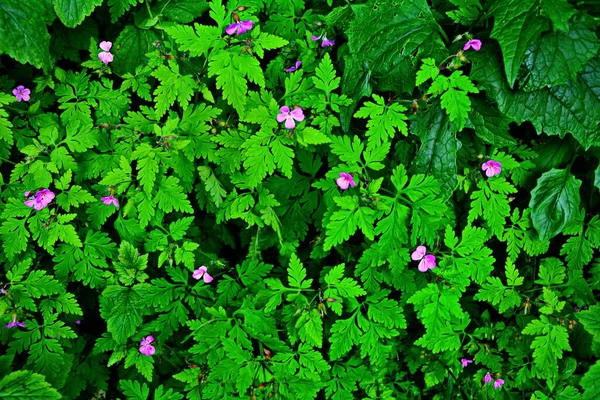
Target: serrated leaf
73, 12
27, 385
517, 25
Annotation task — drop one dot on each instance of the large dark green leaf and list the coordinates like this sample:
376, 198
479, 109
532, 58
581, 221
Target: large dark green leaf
182, 11
573, 107
23, 33
386, 55
557, 57
73, 12
437, 154
559, 12
517, 25
134, 43
489, 123
554, 202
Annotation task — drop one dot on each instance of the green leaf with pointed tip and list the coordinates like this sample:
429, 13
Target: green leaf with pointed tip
182, 11
557, 57
559, 12
23, 33
73, 12
517, 25
589, 382
554, 201
437, 154
489, 123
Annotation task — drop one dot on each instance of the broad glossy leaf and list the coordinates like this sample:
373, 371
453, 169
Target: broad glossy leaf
573, 107
27, 385
437, 154
182, 11
559, 12
554, 202
557, 57
489, 123
73, 12
390, 50
134, 44
517, 25
23, 33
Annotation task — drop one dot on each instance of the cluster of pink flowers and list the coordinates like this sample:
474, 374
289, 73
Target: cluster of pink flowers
202, 272
145, 347
289, 116
40, 199
21, 93
497, 383
491, 168
105, 56
426, 261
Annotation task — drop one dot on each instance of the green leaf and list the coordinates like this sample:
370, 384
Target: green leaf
197, 42
554, 202
297, 274
73, 12
557, 57
267, 41
134, 390
550, 342
171, 196
121, 307
134, 43
489, 124
172, 86
428, 70
310, 135
437, 154
559, 12
589, 382
182, 11
552, 272
396, 38
27, 385
23, 32
590, 319
517, 25
119, 7
383, 119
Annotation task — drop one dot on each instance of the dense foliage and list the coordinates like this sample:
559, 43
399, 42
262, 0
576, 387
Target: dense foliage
295, 199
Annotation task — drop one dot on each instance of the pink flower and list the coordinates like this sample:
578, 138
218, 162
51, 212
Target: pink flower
145, 347
200, 272
427, 260
465, 362
40, 200
474, 43
289, 116
105, 56
239, 27
21, 93
325, 43
487, 378
14, 322
294, 67
491, 168
108, 200
77, 322
498, 383
345, 180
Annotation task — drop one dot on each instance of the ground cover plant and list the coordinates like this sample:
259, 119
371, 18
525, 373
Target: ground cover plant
294, 199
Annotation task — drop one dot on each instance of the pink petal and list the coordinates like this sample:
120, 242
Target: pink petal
246, 25
423, 266
429, 261
419, 253
487, 378
297, 114
106, 46
30, 203
147, 350
281, 117
105, 57
207, 278
284, 110
498, 383
231, 29
343, 183
289, 122
315, 38
197, 274
25, 96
